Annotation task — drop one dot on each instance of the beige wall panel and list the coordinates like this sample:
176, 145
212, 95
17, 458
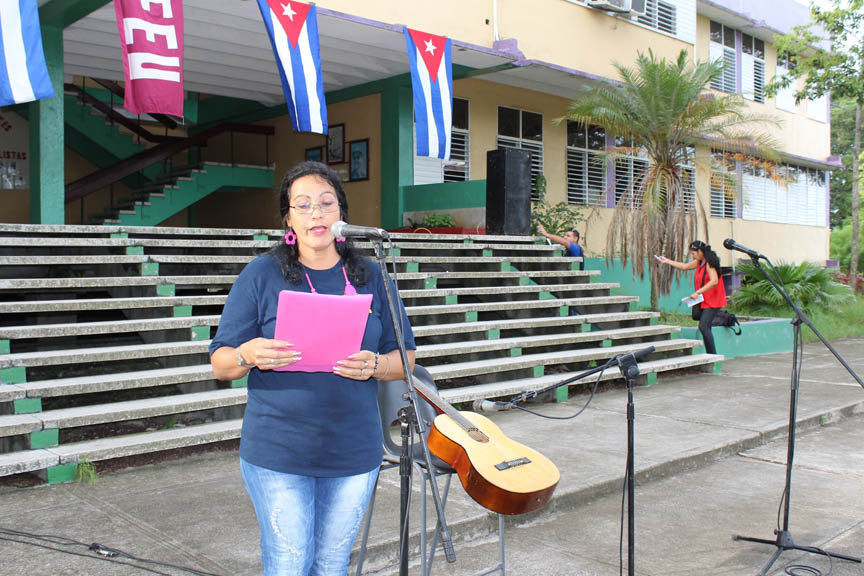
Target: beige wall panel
780, 242
257, 208
796, 133
459, 19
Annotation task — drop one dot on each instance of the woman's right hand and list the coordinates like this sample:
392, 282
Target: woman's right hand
268, 354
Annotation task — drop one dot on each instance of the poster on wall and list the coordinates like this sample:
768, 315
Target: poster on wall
14, 150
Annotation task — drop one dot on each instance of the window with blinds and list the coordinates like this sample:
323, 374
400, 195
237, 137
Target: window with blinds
586, 174
660, 16
722, 48
688, 188
800, 198
458, 169
524, 130
785, 98
724, 186
752, 68
630, 170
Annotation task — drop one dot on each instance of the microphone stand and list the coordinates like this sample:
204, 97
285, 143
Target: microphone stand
784, 539
627, 364
406, 457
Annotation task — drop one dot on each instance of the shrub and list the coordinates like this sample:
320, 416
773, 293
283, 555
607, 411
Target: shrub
437, 221
557, 218
810, 286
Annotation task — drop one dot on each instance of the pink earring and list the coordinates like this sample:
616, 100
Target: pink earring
340, 239
290, 238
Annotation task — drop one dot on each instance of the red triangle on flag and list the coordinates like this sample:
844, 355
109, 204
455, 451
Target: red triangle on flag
431, 48
291, 15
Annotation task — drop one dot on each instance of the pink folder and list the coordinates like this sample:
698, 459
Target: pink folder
323, 327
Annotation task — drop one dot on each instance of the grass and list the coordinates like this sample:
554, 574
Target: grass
845, 321
86, 472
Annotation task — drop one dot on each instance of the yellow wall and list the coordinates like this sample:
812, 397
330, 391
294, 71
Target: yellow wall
260, 208
794, 133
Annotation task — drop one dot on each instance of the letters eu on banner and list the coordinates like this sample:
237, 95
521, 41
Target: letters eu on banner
151, 37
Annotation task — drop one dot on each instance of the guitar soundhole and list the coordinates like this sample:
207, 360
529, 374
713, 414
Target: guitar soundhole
477, 435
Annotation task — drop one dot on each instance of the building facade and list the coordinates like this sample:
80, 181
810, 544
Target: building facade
516, 67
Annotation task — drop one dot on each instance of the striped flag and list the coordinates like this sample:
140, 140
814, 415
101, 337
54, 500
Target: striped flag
293, 30
432, 84
23, 73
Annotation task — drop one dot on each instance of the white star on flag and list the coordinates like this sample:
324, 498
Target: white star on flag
430, 47
288, 11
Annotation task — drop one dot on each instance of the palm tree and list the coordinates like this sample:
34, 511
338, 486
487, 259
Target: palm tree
664, 110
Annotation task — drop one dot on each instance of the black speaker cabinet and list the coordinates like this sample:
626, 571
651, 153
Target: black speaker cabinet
508, 192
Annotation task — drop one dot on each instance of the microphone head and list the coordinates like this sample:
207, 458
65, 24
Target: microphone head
729, 244
337, 229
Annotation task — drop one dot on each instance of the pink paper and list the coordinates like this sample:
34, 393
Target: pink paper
323, 327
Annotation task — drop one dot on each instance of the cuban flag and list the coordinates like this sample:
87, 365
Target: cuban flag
432, 84
293, 30
23, 73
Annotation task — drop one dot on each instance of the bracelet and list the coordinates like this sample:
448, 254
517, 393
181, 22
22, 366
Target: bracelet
387, 371
375, 369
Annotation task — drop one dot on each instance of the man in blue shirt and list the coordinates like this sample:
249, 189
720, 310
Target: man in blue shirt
570, 241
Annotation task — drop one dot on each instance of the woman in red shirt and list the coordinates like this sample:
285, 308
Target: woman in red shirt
708, 283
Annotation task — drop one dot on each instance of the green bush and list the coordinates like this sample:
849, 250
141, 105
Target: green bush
437, 221
841, 244
557, 218
810, 286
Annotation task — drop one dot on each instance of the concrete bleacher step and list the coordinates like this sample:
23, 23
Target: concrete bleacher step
518, 305
119, 446
53, 242
507, 388
547, 322
495, 365
453, 349
103, 354
109, 327
107, 382
113, 281
496, 290
120, 411
81, 304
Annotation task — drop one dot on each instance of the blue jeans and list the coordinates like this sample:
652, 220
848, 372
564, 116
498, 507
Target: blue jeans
308, 525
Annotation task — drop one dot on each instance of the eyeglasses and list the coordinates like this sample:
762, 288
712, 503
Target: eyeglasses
326, 205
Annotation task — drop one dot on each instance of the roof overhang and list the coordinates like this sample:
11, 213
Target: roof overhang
227, 51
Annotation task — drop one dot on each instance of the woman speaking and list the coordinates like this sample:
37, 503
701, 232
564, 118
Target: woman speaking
311, 443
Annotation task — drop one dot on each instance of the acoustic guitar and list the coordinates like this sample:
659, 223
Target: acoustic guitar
497, 472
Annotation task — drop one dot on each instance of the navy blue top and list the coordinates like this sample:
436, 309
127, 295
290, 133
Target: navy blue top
310, 424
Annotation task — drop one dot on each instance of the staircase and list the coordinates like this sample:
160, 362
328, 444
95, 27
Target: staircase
104, 331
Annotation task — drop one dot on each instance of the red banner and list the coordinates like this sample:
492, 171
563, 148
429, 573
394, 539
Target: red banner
151, 36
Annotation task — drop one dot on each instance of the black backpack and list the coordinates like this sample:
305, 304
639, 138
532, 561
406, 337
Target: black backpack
727, 320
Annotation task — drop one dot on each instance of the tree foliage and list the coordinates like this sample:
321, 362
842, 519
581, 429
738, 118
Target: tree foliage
663, 109
829, 56
842, 136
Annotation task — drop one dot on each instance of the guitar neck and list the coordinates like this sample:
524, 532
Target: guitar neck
443, 406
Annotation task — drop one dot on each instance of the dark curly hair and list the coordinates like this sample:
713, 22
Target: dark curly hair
711, 257
288, 255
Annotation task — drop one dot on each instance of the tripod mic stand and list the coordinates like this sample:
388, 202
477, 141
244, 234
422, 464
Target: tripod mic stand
407, 419
784, 539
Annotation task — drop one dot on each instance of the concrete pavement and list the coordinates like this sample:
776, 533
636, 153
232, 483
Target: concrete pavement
710, 455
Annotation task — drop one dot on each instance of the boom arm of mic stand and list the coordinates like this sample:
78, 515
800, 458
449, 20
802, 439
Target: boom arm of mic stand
803, 318
396, 317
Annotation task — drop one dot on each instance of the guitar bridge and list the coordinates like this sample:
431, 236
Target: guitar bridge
507, 464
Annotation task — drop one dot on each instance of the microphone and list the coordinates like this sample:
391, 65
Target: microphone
342, 230
490, 406
730, 244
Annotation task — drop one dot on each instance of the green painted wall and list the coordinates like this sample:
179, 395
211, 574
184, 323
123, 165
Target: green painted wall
758, 337
631, 286
450, 196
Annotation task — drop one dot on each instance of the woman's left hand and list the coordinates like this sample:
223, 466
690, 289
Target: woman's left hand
359, 366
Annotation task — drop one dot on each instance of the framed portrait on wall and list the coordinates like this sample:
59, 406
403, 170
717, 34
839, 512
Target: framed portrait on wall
336, 144
315, 154
358, 160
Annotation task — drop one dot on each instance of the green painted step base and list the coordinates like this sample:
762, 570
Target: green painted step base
166, 290
27, 405
650, 379
199, 333
182, 311
44, 439
61, 473
150, 269
241, 383
493, 334
452, 299
514, 352
471, 316
16, 375
260, 237
4, 347
430, 283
